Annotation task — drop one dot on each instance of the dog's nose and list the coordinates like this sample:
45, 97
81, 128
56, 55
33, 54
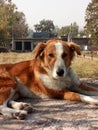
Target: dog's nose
60, 72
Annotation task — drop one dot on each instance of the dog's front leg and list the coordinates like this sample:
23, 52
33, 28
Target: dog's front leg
12, 113
80, 87
12, 109
72, 96
21, 106
8, 111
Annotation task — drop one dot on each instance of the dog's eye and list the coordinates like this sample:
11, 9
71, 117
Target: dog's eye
51, 55
64, 55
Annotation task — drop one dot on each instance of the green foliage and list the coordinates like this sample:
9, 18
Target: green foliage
6, 17
19, 27
81, 33
64, 30
45, 26
72, 29
12, 22
91, 18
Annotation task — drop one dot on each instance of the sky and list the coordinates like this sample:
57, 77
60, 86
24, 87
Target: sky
61, 12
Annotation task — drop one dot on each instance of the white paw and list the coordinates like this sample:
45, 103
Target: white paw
20, 115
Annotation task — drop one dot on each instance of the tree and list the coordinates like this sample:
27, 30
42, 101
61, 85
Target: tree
45, 26
12, 22
91, 18
81, 33
17, 22
6, 12
20, 28
72, 29
75, 29
64, 31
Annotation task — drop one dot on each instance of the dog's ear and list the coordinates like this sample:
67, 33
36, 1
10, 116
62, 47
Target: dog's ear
37, 52
75, 48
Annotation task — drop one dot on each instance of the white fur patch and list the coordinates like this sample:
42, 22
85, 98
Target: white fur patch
89, 99
59, 49
56, 84
59, 61
62, 83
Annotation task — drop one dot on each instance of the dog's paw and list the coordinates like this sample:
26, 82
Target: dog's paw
20, 115
27, 107
21, 106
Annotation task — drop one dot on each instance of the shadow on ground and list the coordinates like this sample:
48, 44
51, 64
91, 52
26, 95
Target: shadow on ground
50, 114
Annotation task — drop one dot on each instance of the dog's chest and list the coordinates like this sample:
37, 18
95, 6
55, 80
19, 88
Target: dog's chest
56, 84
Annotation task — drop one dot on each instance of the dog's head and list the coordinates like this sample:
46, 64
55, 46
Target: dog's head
56, 56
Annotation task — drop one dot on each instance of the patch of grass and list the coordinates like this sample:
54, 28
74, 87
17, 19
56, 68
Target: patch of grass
85, 67
90, 53
13, 57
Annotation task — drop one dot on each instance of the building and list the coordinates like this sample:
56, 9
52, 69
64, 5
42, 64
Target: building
25, 44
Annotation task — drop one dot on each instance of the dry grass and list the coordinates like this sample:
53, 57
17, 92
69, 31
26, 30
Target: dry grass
14, 57
84, 67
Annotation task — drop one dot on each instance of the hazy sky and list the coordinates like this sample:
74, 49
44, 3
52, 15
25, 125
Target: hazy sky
61, 12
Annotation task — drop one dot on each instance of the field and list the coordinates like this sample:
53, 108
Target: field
84, 67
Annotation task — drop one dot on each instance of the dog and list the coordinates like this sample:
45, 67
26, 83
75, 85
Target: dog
47, 75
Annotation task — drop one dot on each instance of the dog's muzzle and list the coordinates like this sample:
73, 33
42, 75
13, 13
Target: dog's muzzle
59, 70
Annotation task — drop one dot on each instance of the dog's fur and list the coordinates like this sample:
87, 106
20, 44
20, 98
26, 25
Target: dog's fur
48, 75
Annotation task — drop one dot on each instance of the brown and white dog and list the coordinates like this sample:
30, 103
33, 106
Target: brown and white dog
48, 75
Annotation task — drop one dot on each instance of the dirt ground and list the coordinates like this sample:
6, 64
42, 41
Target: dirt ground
52, 114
